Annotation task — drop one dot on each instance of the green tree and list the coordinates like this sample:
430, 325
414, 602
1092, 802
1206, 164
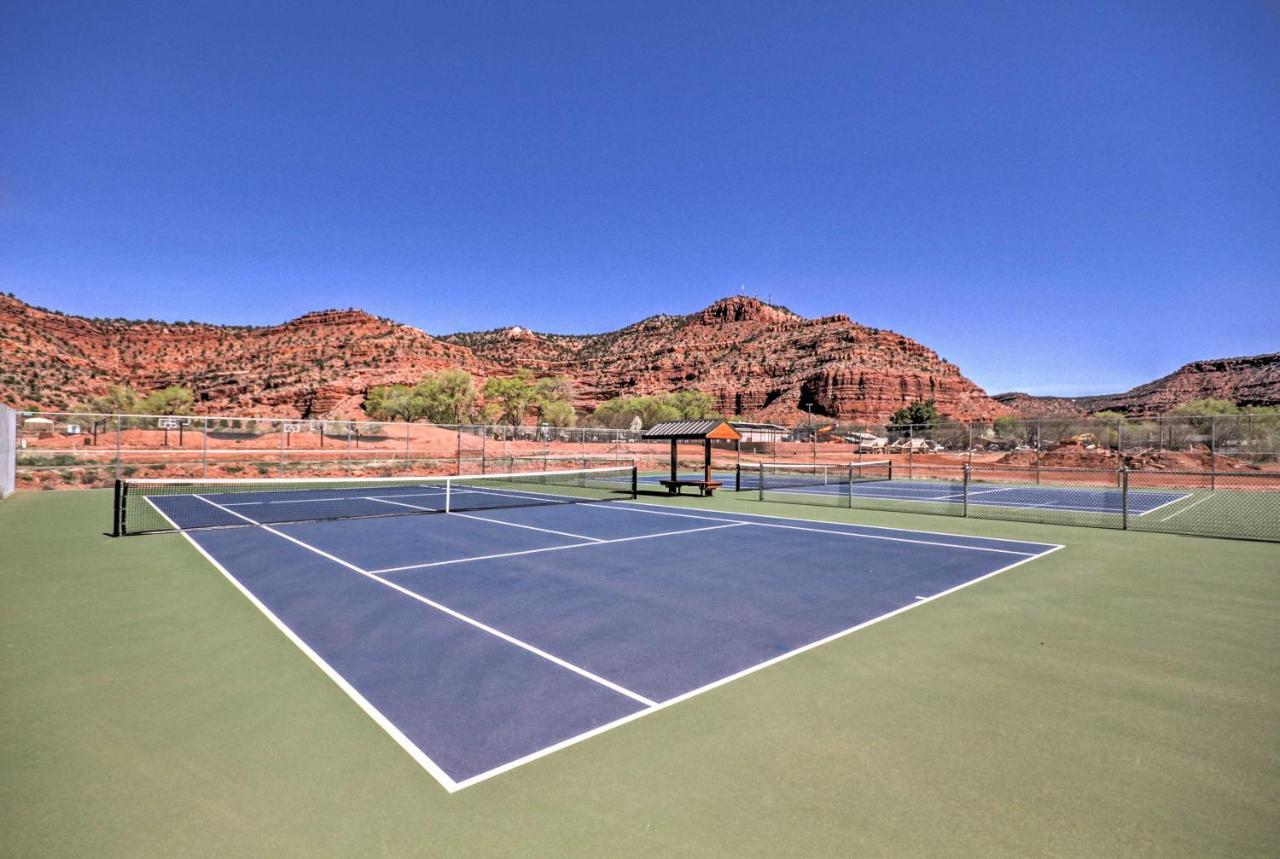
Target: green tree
173, 400
616, 413
118, 400
447, 397
1107, 426
693, 405
1206, 406
1200, 413
682, 405
558, 413
393, 402
921, 414
555, 389
554, 401
509, 398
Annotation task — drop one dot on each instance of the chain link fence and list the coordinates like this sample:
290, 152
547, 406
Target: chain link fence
61, 450
1220, 475
1241, 505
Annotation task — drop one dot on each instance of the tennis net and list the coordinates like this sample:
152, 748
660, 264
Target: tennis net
778, 480
148, 505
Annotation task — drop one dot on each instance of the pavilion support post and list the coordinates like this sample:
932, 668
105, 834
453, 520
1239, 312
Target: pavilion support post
706, 462
674, 463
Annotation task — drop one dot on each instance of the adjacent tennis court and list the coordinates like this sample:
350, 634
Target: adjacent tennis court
532, 617
879, 480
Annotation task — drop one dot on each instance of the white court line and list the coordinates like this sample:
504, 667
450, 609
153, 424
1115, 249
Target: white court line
510, 639
670, 702
422, 758
453, 786
1180, 512
1167, 503
830, 531
549, 497
973, 492
1067, 503
667, 510
401, 503
894, 539
529, 527
336, 498
552, 548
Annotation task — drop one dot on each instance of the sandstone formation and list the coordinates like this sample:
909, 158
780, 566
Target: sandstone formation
1252, 380
756, 359
318, 364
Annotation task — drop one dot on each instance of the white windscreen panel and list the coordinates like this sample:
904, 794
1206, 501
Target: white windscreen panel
8, 449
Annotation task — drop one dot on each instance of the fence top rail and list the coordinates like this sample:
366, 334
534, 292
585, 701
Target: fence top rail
829, 465
192, 419
1247, 474
1126, 423
996, 466
359, 481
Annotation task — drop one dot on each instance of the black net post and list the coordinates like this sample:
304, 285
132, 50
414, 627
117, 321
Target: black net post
635, 483
117, 509
760, 481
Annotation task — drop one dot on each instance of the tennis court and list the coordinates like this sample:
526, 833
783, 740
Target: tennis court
877, 481
532, 617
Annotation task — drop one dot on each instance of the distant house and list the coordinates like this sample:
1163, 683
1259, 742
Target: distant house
915, 445
38, 427
761, 432
867, 442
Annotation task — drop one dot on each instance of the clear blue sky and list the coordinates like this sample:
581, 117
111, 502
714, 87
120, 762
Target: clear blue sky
1060, 197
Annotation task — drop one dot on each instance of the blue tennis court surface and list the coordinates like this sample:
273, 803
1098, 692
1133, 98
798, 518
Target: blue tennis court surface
483, 640
1078, 499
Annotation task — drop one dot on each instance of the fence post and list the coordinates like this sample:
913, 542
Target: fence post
1124, 496
969, 460
1213, 453
458, 469
965, 490
1038, 441
911, 437
850, 486
204, 451
760, 481
119, 421
407, 467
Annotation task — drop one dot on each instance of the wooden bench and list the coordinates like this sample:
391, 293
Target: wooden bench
705, 487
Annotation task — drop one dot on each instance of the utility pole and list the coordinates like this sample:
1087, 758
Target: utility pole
813, 438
